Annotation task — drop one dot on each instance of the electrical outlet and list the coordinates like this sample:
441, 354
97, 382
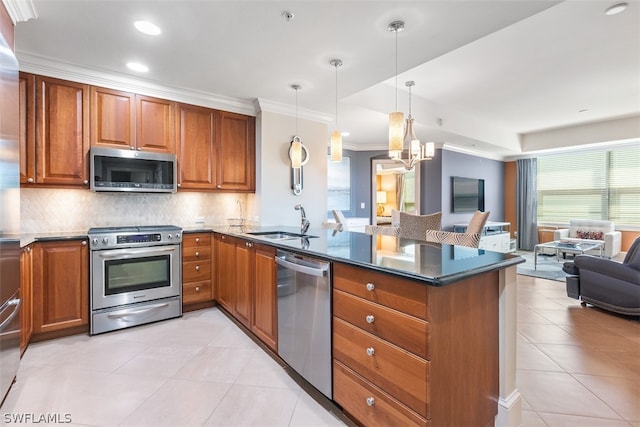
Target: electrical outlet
199, 220
361, 205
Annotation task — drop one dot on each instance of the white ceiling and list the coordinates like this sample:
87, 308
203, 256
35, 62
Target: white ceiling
488, 73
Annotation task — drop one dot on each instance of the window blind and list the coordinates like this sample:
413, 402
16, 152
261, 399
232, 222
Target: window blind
601, 184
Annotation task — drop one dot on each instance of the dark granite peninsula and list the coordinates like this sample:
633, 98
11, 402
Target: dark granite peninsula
423, 334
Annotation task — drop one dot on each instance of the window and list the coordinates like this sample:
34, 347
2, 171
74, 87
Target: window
339, 184
602, 184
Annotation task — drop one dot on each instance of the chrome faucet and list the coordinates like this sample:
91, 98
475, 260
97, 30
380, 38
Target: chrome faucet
304, 222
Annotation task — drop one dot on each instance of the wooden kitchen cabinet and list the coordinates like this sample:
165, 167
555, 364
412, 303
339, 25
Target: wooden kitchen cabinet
246, 285
235, 144
197, 268
196, 158
54, 132
26, 294
27, 124
406, 353
131, 122
60, 286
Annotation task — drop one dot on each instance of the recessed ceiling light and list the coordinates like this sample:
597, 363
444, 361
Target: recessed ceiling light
136, 66
147, 28
616, 8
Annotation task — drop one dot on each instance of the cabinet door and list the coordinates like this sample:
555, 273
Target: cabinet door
196, 166
62, 132
60, 285
264, 320
113, 119
26, 294
244, 279
235, 152
27, 136
154, 124
225, 269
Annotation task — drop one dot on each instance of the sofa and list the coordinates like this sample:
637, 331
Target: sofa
592, 230
606, 283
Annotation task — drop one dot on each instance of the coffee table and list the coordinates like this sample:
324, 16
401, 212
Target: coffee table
565, 246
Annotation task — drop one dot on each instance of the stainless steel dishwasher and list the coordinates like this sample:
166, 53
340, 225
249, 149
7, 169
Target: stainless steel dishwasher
304, 317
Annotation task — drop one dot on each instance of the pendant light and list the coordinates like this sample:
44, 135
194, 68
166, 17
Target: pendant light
396, 118
416, 150
336, 135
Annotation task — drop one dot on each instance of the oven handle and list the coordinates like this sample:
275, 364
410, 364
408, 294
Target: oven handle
110, 254
122, 316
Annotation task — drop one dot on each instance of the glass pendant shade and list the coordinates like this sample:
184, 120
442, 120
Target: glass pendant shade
396, 133
336, 146
296, 152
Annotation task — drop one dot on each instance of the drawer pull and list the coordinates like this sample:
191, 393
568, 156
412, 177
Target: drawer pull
197, 240
197, 268
371, 351
197, 254
370, 286
370, 318
370, 401
197, 288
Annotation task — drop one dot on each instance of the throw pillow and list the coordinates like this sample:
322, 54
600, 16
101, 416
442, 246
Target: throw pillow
590, 235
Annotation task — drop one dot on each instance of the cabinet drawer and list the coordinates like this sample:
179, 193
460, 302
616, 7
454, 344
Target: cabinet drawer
196, 239
196, 292
367, 403
195, 253
397, 293
194, 271
407, 332
399, 373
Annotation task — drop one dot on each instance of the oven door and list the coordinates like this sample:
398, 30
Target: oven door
126, 276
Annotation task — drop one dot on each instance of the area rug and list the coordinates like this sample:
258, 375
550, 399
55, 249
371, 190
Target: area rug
549, 267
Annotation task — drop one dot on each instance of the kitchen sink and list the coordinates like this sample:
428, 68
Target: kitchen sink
279, 235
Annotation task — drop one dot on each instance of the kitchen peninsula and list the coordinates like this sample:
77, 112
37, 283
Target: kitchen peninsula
423, 334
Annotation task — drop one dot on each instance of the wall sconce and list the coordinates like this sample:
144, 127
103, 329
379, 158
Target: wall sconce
381, 199
299, 157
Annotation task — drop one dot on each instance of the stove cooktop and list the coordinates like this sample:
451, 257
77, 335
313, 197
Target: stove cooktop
133, 229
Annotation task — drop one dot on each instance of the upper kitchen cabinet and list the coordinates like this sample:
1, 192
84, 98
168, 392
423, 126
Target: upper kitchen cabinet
62, 133
196, 165
216, 150
27, 117
235, 139
131, 122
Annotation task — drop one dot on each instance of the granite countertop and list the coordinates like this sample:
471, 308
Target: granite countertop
431, 263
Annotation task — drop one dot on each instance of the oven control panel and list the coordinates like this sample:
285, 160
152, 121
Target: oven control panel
124, 239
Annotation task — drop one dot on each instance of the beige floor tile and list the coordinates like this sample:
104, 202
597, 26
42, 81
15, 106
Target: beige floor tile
309, 413
529, 357
560, 393
562, 420
161, 361
219, 364
621, 394
532, 419
262, 370
179, 403
574, 360
254, 406
545, 334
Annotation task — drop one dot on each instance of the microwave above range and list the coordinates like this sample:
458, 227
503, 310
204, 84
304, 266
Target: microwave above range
113, 169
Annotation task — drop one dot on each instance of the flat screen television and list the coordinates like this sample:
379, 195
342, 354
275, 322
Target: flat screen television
467, 194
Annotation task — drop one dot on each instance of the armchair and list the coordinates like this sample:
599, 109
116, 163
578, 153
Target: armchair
605, 283
598, 230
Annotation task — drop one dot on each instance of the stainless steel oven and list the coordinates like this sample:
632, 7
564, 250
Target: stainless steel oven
135, 276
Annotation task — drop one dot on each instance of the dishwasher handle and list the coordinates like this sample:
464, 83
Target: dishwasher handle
321, 270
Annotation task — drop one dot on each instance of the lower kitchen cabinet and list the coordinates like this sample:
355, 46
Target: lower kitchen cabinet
60, 286
197, 268
246, 285
26, 294
410, 354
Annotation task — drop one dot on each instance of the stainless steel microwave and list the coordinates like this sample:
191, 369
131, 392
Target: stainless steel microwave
113, 169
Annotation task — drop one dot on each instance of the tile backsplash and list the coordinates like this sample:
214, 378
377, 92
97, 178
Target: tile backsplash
45, 210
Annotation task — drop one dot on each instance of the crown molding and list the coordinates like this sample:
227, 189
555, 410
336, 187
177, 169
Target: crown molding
53, 68
268, 106
20, 10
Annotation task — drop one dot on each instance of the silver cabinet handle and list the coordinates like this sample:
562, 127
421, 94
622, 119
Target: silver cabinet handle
197, 254
197, 268
84, 243
85, 182
197, 288
370, 401
370, 286
371, 351
370, 318
197, 240
30, 180
218, 186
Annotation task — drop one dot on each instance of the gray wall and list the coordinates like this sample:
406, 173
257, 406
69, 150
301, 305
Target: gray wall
435, 183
